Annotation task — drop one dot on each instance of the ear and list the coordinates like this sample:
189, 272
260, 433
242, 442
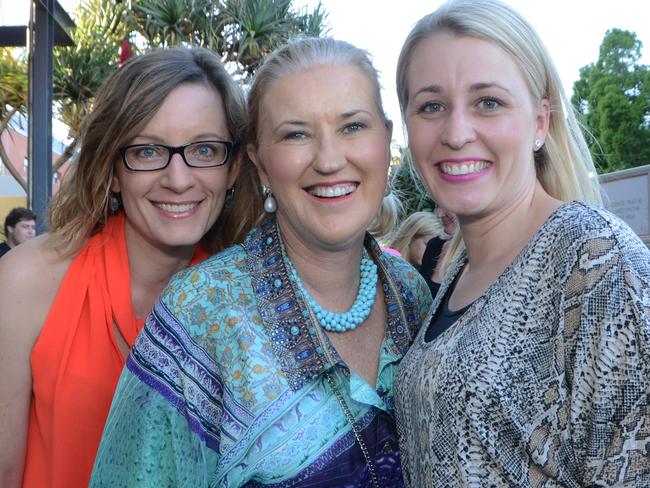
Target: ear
233, 170
115, 184
115, 181
251, 150
543, 119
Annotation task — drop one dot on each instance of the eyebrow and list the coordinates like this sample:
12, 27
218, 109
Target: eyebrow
429, 89
490, 84
302, 123
482, 85
199, 137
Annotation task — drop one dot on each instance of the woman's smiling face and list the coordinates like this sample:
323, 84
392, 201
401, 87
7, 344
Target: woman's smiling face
323, 149
472, 124
177, 205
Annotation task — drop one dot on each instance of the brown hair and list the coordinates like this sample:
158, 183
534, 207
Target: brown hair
129, 99
17, 214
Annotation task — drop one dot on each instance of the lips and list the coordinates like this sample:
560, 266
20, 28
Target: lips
332, 191
464, 168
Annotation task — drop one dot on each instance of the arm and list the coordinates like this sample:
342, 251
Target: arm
24, 300
607, 352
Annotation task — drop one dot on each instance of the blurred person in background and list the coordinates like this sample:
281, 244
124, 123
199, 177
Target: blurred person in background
414, 233
433, 258
20, 225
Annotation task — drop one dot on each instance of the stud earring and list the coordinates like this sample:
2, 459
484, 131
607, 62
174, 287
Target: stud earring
538, 144
270, 204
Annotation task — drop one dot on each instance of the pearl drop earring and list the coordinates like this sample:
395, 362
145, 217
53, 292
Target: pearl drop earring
270, 204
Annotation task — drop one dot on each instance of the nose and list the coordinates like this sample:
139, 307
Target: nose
330, 155
458, 129
178, 176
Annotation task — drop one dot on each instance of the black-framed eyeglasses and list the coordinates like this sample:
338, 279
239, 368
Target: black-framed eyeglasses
153, 157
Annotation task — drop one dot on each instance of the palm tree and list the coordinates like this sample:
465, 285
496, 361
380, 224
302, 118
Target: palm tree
79, 71
241, 31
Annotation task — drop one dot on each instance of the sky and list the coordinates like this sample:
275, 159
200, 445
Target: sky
571, 29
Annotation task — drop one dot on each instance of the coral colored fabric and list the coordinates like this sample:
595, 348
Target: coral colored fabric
76, 362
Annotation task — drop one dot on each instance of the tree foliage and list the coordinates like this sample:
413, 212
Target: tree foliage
410, 191
243, 32
13, 97
612, 96
80, 70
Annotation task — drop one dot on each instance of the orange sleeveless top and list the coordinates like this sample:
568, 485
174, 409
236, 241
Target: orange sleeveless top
76, 362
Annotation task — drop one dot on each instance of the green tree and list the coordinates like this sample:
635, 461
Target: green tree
409, 189
80, 70
243, 32
612, 96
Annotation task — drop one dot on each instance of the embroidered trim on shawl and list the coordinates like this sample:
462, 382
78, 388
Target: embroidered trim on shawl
165, 358
285, 317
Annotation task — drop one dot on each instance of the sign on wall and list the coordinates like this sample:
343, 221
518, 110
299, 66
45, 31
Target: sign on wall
626, 195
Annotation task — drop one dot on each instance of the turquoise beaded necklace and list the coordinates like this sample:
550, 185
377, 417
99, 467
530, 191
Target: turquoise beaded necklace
366, 295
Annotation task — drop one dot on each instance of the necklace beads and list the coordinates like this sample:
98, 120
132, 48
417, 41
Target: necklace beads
366, 295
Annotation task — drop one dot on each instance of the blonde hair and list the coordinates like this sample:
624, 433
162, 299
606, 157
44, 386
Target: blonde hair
416, 225
383, 225
564, 165
301, 54
126, 103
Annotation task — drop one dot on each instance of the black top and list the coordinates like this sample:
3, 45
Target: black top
443, 318
4, 249
429, 261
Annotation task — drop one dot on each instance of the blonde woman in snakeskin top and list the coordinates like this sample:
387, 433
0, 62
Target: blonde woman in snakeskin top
534, 366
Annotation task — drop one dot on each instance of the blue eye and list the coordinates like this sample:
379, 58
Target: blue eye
295, 136
148, 152
490, 103
353, 127
431, 107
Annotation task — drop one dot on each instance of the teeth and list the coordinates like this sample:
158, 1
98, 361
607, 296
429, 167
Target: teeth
332, 191
176, 208
464, 168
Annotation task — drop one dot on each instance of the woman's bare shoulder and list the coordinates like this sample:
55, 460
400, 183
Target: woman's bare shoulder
30, 275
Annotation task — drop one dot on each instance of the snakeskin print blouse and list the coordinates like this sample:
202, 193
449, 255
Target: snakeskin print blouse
545, 380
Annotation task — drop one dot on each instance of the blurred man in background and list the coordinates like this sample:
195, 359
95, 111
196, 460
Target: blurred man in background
20, 225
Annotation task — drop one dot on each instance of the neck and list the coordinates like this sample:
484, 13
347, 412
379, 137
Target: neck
498, 238
150, 268
330, 276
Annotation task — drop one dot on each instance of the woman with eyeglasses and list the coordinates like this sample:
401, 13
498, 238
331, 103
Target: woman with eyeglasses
157, 186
